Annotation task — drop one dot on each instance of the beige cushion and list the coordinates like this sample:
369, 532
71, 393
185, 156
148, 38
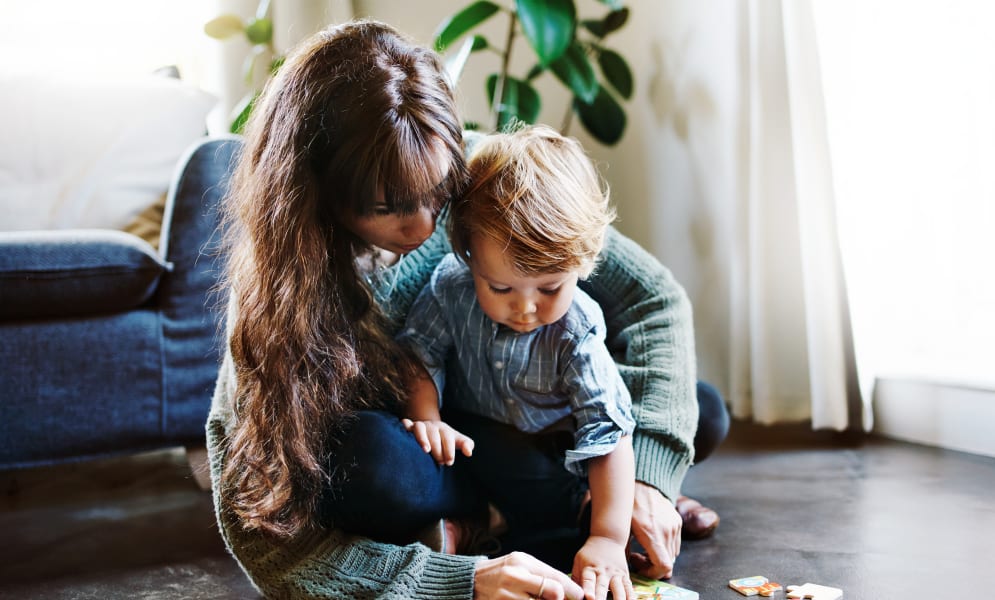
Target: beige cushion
83, 153
148, 224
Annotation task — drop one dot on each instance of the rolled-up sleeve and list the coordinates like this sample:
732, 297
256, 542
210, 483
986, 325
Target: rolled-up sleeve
602, 406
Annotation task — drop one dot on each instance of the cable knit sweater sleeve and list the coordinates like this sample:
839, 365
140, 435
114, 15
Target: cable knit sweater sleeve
650, 334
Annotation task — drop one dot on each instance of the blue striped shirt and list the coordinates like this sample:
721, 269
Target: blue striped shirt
557, 376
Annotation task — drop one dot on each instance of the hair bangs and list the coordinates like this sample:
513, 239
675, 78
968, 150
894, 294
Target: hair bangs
412, 172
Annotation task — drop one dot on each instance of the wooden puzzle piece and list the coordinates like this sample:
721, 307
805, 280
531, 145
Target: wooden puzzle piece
751, 586
815, 592
652, 589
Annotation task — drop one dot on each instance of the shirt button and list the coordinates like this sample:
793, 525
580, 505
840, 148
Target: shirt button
411, 332
507, 401
498, 365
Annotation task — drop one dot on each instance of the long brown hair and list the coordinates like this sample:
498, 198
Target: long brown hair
357, 112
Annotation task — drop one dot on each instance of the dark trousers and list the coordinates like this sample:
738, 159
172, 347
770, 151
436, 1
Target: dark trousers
388, 488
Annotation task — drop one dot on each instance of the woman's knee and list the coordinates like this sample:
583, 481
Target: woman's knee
379, 465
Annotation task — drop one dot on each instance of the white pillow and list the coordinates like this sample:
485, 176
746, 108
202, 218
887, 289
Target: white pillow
91, 154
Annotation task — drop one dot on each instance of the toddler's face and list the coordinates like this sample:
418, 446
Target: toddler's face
521, 302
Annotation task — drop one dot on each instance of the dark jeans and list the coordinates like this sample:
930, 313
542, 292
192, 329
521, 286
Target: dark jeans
387, 488
390, 488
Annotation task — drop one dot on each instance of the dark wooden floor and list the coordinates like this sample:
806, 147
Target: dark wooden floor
879, 519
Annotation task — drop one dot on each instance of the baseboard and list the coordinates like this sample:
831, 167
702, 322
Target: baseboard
936, 414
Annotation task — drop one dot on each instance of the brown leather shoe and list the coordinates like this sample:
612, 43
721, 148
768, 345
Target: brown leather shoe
699, 521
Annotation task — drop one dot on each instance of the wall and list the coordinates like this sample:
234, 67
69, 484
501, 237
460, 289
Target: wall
936, 413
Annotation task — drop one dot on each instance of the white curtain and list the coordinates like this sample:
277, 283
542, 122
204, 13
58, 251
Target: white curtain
790, 344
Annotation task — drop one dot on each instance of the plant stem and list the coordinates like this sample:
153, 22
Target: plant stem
498, 101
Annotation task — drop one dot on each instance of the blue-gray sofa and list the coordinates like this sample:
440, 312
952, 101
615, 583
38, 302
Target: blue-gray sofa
107, 345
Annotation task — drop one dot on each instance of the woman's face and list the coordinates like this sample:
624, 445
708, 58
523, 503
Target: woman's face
394, 232
400, 234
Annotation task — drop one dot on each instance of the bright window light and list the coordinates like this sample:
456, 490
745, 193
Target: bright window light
104, 37
910, 91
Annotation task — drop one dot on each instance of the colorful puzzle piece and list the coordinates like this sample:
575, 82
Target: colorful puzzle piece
751, 586
815, 592
652, 589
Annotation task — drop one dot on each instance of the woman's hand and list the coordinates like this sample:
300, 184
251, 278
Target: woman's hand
656, 524
517, 576
439, 439
601, 567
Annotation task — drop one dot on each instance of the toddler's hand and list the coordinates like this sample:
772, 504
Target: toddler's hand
439, 439
600, 566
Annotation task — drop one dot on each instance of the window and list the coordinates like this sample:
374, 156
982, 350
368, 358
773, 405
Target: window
910, 100
105, 37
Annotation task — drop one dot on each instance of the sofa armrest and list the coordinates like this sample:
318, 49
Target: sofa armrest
188, 296
190, 219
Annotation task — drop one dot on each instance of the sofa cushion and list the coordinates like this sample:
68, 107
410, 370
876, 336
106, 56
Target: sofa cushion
74, 272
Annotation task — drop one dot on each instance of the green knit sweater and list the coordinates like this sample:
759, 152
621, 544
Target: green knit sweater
649, 333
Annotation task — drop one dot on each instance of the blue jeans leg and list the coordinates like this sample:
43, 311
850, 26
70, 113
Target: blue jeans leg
522, 474
386, 487
713, 421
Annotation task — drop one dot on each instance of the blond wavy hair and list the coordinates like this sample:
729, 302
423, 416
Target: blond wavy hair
356, 113
537, 193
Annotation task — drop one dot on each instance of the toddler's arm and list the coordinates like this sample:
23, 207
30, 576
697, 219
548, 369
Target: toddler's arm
601, 564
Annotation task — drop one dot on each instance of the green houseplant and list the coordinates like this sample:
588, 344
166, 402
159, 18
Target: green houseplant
565, 46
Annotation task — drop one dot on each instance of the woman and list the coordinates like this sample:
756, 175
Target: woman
351, 154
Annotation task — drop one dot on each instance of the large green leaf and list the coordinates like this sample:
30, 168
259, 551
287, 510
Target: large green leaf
616, 19
519, 101
604, 118
616, 71
549, 26
455, 26
613, 21
575, 71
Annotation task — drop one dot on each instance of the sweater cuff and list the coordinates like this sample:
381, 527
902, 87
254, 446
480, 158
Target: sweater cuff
448, 577
658, 465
